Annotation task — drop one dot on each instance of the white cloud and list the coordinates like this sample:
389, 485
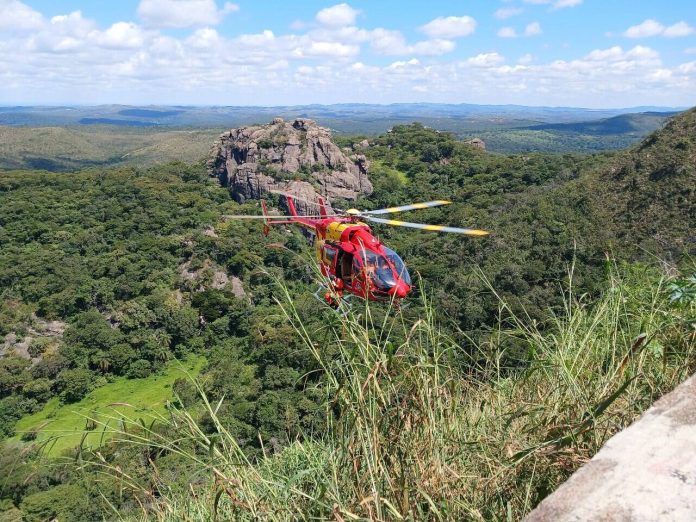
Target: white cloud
298, 25
555, 4
204, 39
72, 59
507, 32
388, 42
650, 28
63, 34
687, 68
182, 13
560, 4
678, 30
385, 41
340, 15
507, 12
434, 47
532, 29
485, 60
690, 50
122, 35
17, 17
450, 27
646, 29
333, 49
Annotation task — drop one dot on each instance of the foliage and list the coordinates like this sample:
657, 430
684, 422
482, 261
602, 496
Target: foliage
67, 502
414, 434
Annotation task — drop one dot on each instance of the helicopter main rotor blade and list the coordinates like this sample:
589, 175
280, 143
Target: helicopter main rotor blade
404, 208
433, 228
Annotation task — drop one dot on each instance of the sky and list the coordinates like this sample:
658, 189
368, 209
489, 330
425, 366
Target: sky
577, 53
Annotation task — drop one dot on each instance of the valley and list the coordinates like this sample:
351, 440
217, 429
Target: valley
135, 259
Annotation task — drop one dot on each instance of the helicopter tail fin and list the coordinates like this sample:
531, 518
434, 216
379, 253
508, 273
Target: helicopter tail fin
291, 206
322, 208
267, 221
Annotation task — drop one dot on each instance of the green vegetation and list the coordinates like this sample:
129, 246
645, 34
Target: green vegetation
420, 427
464, 405
146, 398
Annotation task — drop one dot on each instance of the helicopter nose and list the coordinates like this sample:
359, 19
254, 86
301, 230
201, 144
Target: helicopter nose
401, 290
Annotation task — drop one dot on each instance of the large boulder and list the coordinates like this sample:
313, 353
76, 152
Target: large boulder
299, 158
477, 143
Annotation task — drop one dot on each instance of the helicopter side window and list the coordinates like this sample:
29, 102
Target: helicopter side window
329, 254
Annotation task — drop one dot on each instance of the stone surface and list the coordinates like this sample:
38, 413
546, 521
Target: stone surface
36, 328
477, 142
646, 472
298, 158
211, 275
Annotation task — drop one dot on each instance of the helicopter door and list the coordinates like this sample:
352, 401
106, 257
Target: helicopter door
343, 267
357, 268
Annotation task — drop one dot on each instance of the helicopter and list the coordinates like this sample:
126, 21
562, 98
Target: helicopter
350, 256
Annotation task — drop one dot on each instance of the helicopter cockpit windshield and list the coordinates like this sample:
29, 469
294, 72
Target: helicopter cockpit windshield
399, 265
384, 270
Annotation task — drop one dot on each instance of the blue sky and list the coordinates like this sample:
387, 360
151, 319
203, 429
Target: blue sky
587, 53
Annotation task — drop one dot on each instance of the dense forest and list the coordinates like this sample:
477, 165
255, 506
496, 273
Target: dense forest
118, 275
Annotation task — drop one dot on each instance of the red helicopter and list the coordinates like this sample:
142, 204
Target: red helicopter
350, 256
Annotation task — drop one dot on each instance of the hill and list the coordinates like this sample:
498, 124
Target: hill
617, 132
639, 123
61, 149
649, 191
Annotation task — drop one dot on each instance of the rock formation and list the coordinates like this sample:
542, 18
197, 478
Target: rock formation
298, 157
477, 142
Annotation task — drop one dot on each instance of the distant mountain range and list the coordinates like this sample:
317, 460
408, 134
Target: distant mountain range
350, 118
504, 128
641, 123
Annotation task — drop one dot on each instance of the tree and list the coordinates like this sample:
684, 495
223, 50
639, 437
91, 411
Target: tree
74, 384
65, 502
139, 369
38, 389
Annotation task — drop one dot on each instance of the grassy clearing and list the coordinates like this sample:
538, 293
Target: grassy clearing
421, 428
62, 426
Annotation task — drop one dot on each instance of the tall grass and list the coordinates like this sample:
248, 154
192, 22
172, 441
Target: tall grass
421, 428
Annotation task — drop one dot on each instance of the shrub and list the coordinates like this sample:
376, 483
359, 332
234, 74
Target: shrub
74, 384
139, 369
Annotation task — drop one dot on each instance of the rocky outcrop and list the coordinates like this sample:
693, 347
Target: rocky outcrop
208, 276
39, 336
298, 157
477, 142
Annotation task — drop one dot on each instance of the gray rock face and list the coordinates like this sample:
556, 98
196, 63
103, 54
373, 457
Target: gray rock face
299, 158
477, 142
36, 329
646, 472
